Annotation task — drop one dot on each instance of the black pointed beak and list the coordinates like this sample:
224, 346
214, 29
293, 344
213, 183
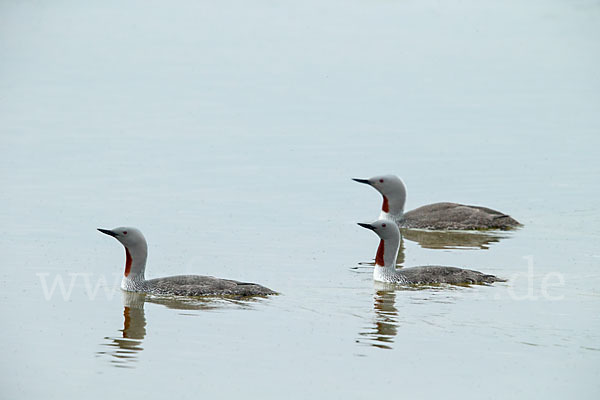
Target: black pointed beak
365, 181
368, 226
107, 232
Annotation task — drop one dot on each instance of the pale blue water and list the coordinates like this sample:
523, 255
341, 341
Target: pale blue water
228, 133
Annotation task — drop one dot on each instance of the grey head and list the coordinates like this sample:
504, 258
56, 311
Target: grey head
128, 236
136, 248
384, 229
393, 191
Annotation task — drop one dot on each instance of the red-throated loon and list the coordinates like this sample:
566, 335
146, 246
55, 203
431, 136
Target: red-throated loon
433, 216
136, 252
385, 263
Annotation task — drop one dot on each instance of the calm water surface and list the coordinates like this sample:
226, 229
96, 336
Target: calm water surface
228, 133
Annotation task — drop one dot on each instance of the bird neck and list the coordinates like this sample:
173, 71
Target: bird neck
395, 217
135, 266
392, 207
387, 252
385, 261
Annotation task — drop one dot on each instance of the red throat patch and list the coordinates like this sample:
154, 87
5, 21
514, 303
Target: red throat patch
128, 261
385, 207
379, 257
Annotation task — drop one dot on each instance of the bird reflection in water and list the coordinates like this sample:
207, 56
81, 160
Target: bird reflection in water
454, 239
125, 348
385, 329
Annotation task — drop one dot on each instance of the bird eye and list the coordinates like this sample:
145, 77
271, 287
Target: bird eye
381, 180
383, 225
124, 232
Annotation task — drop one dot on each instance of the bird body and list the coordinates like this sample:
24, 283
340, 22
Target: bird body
197, 285
136, 253
454, 216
